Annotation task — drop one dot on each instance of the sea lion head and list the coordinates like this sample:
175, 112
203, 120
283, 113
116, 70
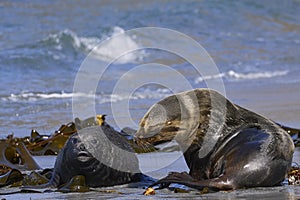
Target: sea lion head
170, 118
78, 152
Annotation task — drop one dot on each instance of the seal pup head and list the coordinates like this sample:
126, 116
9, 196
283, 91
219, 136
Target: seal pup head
78, 153
175, 117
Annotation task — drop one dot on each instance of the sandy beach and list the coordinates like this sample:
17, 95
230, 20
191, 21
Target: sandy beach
172, 162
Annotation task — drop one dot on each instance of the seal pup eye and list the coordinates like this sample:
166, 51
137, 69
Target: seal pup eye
75, 141
169, 122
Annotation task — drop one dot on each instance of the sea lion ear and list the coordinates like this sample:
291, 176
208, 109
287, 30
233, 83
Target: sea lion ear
142, 123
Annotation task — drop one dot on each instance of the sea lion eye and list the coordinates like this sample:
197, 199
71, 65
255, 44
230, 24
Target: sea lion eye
142, 123
169, 122
75, 141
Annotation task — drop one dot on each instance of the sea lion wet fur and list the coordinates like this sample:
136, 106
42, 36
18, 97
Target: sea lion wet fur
225, 146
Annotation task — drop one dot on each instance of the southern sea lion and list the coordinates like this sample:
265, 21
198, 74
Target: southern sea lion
96, 153
225, 146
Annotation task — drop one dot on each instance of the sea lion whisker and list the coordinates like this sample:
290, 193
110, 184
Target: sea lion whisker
170, 129
145, 145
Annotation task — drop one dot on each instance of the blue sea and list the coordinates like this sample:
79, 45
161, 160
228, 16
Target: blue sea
254, 45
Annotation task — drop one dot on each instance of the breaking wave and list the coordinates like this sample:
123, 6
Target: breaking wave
34, 96
232, 75
100, 98
67, 40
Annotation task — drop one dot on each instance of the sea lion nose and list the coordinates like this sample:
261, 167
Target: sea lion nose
140, 133
81, 147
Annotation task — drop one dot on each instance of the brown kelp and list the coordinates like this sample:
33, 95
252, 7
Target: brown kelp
16, 156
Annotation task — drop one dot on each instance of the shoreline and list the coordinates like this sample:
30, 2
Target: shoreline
278, 102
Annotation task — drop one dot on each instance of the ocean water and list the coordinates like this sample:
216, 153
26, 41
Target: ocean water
255, 46
43, 44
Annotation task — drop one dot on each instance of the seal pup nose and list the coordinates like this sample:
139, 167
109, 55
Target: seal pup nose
82, 147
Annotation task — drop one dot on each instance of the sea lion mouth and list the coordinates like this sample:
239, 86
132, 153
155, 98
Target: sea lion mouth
170, 129
158, 136
142, 134
84, 156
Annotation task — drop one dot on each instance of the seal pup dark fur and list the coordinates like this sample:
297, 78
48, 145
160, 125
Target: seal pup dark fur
100, 154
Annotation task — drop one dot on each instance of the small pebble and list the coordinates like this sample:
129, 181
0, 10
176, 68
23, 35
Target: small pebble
149, 191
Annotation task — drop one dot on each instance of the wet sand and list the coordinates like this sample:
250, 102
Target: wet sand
173, 162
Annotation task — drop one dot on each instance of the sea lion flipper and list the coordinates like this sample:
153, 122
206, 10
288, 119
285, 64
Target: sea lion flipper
184, 178
173, 177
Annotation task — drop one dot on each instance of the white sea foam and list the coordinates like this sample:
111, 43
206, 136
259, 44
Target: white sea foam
100, 98
232, 75
64, 37
115, 46
144, 94
31, 96
205, 78
257, 75
106, 48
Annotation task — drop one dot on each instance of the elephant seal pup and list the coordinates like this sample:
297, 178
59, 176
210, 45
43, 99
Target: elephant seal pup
225, 146
100, 154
